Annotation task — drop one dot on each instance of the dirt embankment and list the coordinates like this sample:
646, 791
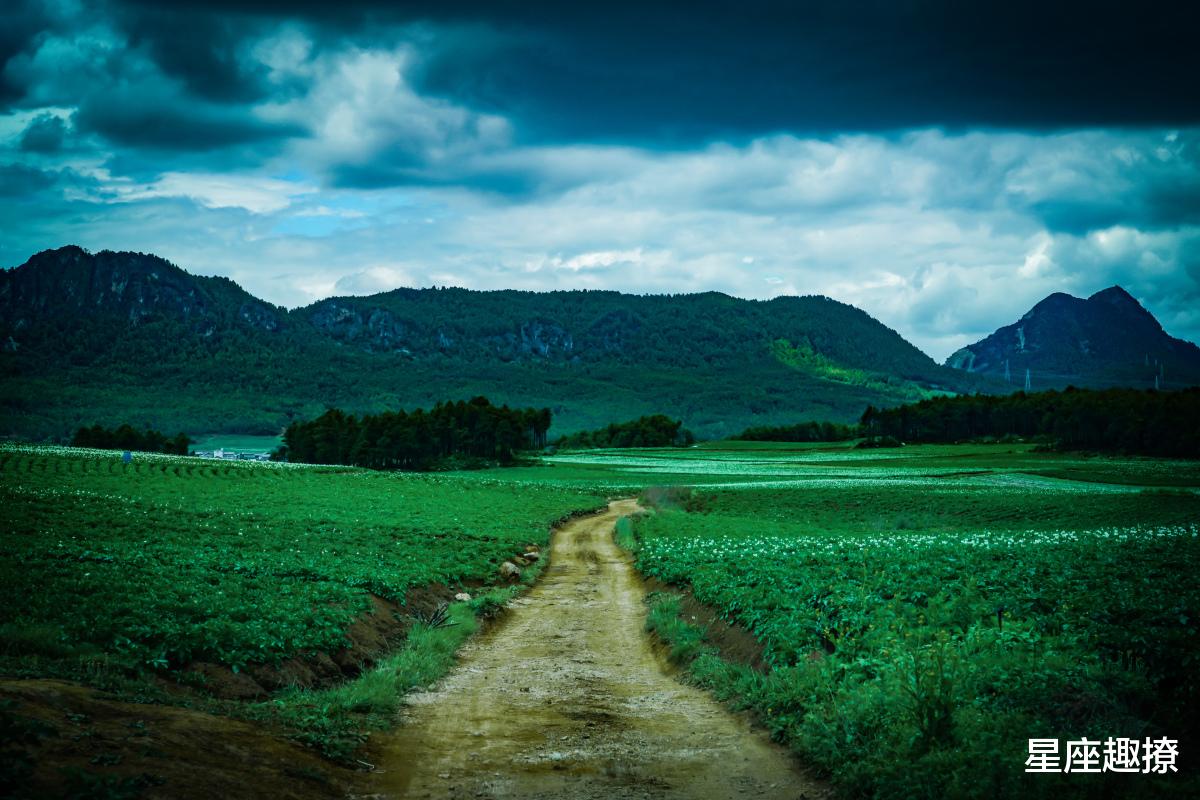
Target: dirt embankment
733, 642
567, 698
90, 745
372, 635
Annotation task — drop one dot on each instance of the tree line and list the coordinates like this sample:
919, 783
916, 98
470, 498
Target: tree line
1137, 421
801, 432
418, 440
656, 430
126, 437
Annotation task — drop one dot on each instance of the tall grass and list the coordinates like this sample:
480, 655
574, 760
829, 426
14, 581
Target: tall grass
623, 534
426, 656
336, 720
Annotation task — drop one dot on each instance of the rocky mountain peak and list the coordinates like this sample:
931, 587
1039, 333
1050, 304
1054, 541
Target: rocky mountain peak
1106, 340
131, 286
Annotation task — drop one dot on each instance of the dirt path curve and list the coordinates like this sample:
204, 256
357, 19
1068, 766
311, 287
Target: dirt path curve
567, 699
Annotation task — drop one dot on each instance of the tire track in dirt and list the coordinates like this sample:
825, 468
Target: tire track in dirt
566, 698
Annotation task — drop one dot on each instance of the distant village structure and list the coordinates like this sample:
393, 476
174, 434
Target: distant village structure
231, 455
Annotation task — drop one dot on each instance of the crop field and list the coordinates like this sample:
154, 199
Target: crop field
921, 612
168, 560
923, 615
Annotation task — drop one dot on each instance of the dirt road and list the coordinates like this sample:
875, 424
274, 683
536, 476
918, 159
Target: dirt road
566, 698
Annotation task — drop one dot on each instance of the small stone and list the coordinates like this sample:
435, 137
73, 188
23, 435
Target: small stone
462, 597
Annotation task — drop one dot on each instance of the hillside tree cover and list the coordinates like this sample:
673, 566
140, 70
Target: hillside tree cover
800, 432
656, 430
418, 440
126, 437
1145, 422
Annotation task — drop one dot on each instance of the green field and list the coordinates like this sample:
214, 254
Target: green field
923, 611
926, 612
113, 574
169, 559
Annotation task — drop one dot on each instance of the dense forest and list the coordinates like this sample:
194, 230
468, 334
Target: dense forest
419, 440
656, 430
126, 437
1135, 421
801, 432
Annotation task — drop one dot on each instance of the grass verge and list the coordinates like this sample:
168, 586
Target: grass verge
337, 720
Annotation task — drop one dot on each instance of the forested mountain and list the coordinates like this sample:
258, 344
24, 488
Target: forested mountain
1109, 339
111, 338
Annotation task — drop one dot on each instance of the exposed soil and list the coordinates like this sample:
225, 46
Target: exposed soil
153, 751
566, 697
127, 749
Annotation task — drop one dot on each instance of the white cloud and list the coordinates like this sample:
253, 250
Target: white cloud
596, 260
374, 279
361, 110
254, 194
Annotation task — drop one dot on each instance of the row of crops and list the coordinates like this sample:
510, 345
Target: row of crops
919, 634
167, 559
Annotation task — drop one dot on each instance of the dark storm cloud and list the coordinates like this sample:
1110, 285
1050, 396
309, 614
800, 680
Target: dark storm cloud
667, 72
722, 69
22, 22
200, 49
511, 183
1155, 208
173, 90
18, 180
194, 45
174, 123
44, 135
1087, 184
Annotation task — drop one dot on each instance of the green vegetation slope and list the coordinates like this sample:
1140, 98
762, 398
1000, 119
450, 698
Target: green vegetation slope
112, 338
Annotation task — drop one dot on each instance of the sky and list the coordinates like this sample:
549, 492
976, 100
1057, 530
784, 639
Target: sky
942, 165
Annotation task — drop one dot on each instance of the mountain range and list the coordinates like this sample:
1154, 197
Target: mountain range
114, 337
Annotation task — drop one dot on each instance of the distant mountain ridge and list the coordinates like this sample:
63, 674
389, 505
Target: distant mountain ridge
504, 325
130, 285
128, 337
1108, 339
